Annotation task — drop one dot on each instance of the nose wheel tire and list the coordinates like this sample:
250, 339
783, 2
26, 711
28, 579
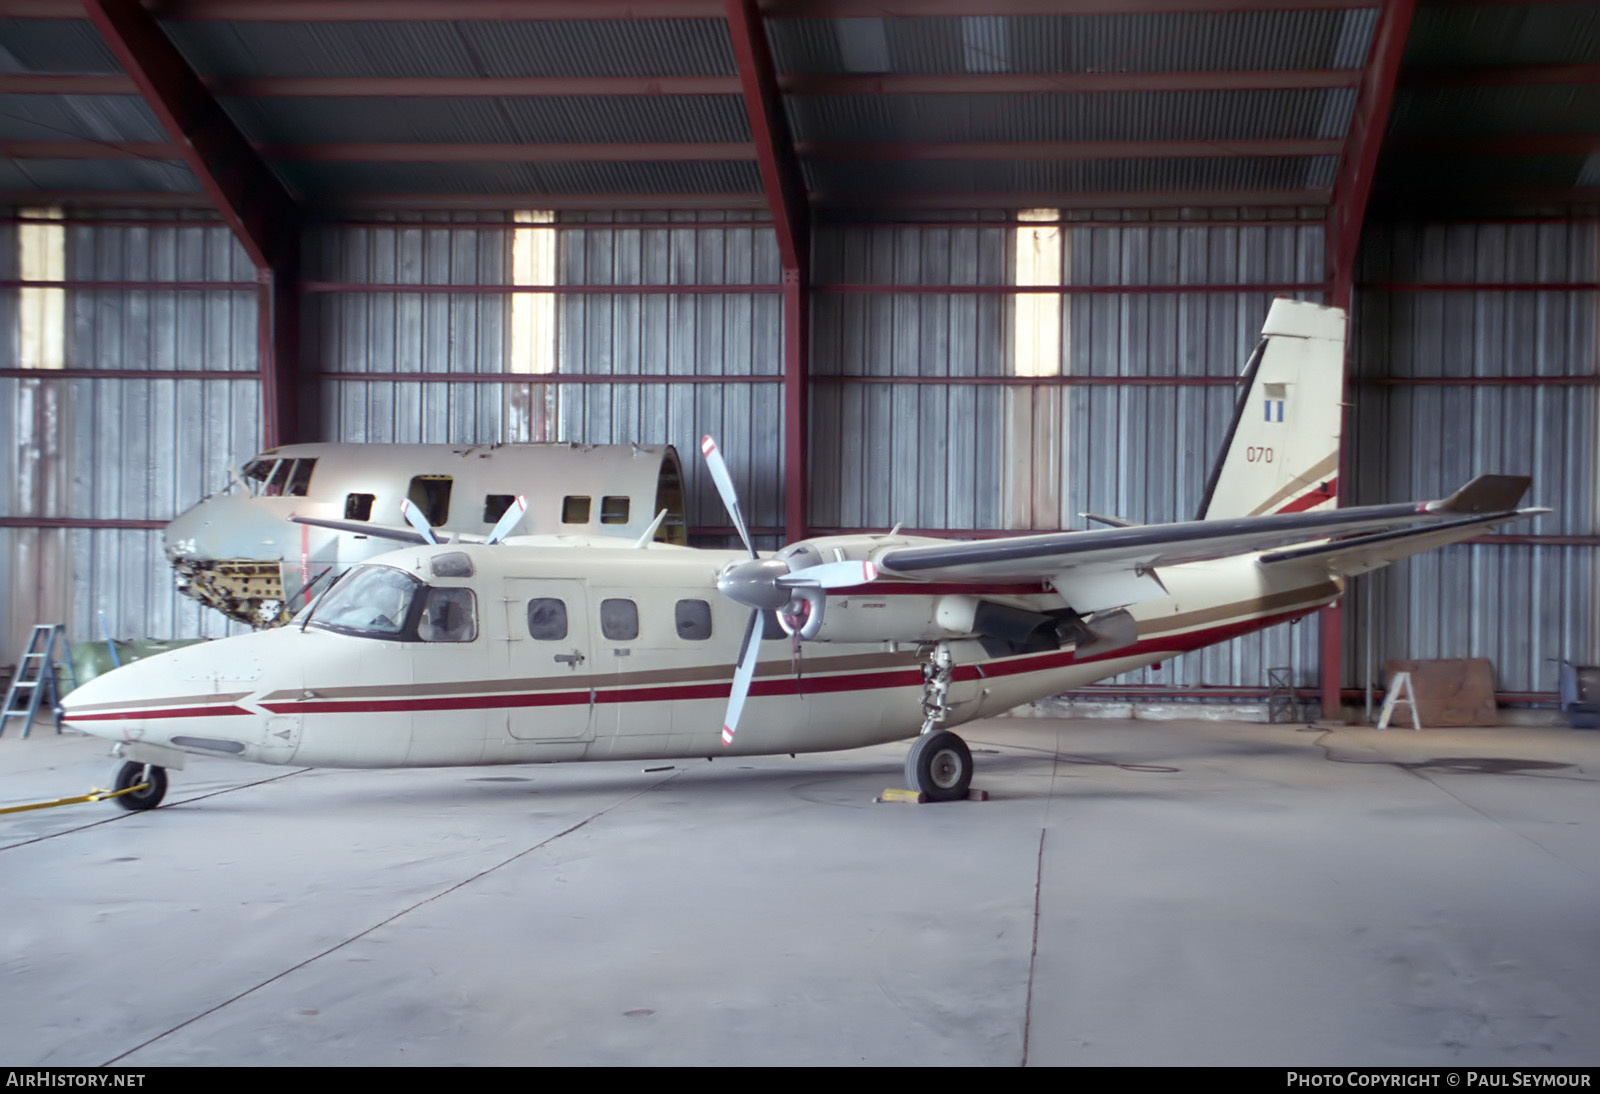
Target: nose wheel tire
940, 766
132, 774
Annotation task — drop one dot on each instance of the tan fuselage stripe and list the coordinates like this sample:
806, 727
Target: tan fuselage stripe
1322, 470
180, 701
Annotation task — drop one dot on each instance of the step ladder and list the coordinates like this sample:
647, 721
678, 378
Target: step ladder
35, 678
1400, 692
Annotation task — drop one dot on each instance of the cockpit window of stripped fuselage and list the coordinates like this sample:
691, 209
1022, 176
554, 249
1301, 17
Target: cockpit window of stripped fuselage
279, 478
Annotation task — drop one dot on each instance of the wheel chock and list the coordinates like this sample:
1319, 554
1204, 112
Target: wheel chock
917, 798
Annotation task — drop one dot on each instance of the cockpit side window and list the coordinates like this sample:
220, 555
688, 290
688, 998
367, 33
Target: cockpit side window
300, 478
280, 479
257, 473
449, 615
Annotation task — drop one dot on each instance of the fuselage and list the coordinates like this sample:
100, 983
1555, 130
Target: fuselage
527, 655
240, 551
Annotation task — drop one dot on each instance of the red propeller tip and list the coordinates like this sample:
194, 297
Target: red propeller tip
727, 735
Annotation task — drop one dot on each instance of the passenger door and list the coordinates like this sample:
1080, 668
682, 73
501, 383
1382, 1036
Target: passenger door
550, 654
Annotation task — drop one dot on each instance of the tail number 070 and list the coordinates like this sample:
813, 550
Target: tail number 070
1257, 454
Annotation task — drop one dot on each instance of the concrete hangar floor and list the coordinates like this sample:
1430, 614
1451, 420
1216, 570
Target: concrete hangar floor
1132, 893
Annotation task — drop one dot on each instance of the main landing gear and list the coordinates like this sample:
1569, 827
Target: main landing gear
154, 780
939, 764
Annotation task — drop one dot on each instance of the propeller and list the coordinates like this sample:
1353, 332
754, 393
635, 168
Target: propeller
770, 585
417, 521
508, 519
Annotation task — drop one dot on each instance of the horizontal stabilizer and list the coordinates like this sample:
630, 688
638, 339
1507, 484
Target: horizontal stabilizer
1486, 494
1361, 554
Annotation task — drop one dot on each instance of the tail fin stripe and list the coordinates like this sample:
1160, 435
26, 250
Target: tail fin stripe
1318, 494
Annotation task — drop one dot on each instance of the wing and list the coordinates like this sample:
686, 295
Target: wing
378, 531
1360, 554
1111, 567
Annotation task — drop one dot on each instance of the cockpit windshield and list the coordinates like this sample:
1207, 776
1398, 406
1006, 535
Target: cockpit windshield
377, 601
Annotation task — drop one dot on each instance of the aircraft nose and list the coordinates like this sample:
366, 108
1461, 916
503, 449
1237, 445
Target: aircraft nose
225, 526
196, 698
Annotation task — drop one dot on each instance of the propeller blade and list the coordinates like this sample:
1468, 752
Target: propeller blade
508, 519
414, 518
831, 575
749, 653
730, 499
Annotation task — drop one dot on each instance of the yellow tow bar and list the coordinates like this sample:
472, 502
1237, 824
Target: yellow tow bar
95, 795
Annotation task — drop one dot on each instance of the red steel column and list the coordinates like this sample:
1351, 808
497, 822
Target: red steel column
249, 197
1350, 194
791, 219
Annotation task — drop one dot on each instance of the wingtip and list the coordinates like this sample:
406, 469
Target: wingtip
1485, 494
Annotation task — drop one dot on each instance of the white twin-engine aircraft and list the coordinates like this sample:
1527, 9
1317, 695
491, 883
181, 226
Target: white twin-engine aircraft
459, 653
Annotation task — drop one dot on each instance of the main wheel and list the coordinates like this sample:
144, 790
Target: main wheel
132, 774
940, 766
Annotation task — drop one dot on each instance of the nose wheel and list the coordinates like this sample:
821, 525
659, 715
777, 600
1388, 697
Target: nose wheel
154, 780
940, 766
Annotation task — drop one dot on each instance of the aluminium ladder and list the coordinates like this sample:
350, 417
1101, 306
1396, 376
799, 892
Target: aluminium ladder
34, 677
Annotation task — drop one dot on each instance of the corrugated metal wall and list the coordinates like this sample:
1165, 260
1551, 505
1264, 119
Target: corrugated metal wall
116, 449
1120, 432
653, 334
1516, 604
730, 334
917, 414
368, 334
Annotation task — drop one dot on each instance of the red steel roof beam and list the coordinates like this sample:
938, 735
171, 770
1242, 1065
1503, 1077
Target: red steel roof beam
1351, 189
239, 183
791, 219
411, 11
931, 151
969, 83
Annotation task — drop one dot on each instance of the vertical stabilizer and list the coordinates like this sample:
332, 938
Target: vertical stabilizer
1282, 452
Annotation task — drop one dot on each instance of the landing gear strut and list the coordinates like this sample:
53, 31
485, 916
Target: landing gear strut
940, 766
132, 774
939, 763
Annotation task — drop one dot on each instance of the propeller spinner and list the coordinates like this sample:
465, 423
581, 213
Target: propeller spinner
767, 585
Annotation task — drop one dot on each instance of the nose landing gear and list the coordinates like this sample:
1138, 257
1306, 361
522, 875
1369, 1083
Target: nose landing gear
940, 766
154, 780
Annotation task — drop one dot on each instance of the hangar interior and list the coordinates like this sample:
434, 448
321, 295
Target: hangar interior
965, 267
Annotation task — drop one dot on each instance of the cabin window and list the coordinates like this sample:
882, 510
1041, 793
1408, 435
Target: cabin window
547, 619
431, 495
300, 478
358, 506
619, 620
614, 510
574, 510
495, 506
693, 618
450, 615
